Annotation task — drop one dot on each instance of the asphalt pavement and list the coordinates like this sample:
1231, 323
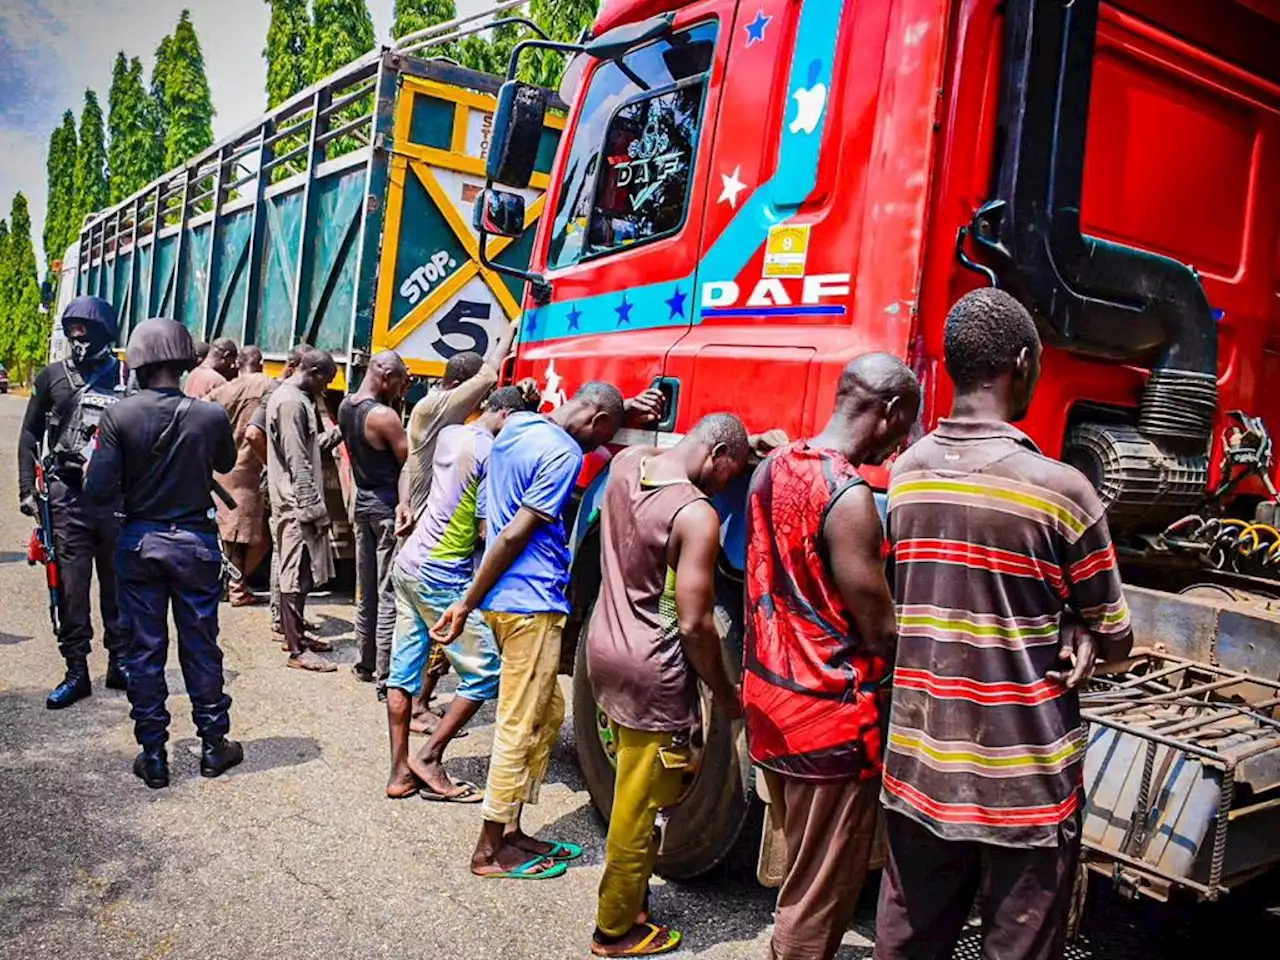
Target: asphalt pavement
297, 854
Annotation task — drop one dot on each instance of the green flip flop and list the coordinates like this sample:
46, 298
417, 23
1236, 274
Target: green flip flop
525, 871
563, 850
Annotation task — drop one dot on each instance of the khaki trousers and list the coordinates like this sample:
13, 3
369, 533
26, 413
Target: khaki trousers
650, 772
830, 827
530, 711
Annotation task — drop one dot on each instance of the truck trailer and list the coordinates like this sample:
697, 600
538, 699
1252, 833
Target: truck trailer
749, 193
341, 218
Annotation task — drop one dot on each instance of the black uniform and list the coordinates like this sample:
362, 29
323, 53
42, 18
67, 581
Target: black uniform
161, 449
64, 406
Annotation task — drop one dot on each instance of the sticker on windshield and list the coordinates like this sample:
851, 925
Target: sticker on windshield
787, 250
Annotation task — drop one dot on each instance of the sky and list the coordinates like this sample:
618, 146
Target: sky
51, 50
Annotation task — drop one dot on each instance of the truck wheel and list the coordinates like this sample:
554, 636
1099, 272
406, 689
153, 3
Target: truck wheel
718, 803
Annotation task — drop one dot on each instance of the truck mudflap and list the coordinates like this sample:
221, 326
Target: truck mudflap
1182, 776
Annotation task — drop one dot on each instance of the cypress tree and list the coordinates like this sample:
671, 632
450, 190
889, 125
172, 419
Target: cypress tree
132, 153
148, 153
5, 347
91, 191
25, 339
563, 20
342, 32
159, 98
61, 197
414, 15
188, 104
286, 53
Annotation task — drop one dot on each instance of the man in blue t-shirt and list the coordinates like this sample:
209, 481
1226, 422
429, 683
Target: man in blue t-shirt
520, 586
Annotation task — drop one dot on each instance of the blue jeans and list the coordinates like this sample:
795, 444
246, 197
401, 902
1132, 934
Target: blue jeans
474, 655
161, 566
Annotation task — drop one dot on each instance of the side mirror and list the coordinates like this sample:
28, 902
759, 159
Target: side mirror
499, 213
47, 292
612, 44
517, 122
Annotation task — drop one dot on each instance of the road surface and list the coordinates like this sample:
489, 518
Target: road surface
296, 854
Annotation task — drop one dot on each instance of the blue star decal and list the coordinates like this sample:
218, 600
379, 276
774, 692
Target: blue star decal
755, 29
574, 316
623, 310
529, 325
676, 303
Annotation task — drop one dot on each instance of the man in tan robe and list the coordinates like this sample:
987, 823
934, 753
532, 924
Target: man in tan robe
244, 529
216, 369
299, 517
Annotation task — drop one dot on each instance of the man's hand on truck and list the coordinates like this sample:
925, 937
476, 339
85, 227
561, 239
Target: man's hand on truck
1079, 649
644, 409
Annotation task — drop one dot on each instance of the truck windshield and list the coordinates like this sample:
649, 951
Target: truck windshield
643, 116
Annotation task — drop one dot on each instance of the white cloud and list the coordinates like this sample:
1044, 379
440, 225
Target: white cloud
51, 50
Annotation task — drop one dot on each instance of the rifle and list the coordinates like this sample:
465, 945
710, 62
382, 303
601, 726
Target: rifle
42, 547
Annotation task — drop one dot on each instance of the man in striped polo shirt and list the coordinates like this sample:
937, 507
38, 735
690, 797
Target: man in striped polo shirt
1007, 591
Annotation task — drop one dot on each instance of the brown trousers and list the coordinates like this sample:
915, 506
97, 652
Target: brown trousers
929, 885
829, 827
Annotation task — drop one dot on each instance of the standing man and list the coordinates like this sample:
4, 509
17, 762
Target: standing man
299, 517
468, 378
653, 636
67, 402
432, 573
217, 368
993, 543
161, 450
376, 443
244, 529
520, 586
819, 646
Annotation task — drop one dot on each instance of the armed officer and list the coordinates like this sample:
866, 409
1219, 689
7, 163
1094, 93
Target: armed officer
161, 449
67, 401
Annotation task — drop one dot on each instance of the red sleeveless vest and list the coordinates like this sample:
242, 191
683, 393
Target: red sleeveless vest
811, 691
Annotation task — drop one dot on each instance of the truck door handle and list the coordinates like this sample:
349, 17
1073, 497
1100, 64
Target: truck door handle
669, 387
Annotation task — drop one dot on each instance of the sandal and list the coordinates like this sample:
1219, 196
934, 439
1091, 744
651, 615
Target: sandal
658, 940
310, 661
563, 851
468, 792
319, 646
525, 871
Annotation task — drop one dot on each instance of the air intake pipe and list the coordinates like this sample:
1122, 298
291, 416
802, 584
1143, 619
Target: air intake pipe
1089, 295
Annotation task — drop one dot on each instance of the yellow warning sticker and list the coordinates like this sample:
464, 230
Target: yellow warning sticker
786, 250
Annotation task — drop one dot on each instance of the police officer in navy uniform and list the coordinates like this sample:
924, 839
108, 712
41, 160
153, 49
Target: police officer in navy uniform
67, 400
160, 449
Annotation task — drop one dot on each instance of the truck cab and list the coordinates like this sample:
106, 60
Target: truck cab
749, 193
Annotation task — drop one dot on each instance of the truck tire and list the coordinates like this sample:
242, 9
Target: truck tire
718, 802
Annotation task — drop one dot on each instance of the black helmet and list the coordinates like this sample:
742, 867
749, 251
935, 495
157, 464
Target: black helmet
92, 310
161, 340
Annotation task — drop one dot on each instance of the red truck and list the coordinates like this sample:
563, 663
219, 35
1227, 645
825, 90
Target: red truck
749, 193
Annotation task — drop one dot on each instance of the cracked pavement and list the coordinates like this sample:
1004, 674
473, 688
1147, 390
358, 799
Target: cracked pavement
296, 854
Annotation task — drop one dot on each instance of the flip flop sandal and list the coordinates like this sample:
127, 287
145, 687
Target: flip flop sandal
648, 947
563, 851
525, 871
470, 794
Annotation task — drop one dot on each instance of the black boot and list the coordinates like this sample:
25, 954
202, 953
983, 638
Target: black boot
117, 679
152, 766
219, 756
74, 686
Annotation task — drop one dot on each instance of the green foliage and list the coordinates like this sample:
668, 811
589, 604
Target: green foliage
286, 53
414, 15
24, 329
159, 96
133, 154
91, 191
563, 20
59, 229
4, 294
188, 106
342, 32
490, 50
